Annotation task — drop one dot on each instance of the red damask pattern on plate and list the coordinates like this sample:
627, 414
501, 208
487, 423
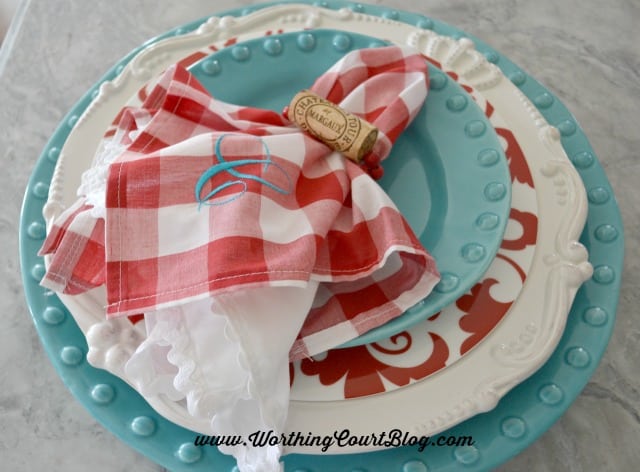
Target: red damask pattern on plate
363, 372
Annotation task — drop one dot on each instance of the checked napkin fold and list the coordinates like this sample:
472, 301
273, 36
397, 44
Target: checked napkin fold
244, 241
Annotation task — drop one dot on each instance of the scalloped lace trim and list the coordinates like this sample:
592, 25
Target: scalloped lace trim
167, 363
231, 369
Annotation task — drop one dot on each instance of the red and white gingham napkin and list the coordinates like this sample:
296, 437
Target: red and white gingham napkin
274, 207
244, 241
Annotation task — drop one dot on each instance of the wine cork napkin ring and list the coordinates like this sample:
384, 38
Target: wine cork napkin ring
340, 130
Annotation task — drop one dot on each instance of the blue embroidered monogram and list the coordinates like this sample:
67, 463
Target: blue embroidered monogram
240, 177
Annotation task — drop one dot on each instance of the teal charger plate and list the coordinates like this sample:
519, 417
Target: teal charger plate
520, 418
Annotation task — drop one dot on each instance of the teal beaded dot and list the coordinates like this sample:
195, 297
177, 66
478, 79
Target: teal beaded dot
414, 466
457, 103
606, 233
37, 272
448, 282
306, 41
567, 127
53, 154
577, 357
240, 53
188, 453
358, 8
71, 122
71, 355
492, 57
495, 191
550, 394
475, 128
53, 315
544, 100
473, 252
513, 427
466, 455
487, 221
179, 31
341, 42
272, 46
595, 316
598, 195
211, 67
321, 4
437, 81
246, 11
40, 190
95, 93
143, 426
102, 394
583, 160
425, 23
36, 230
391, 15
518, 78
604, 274
119, 69
488, 157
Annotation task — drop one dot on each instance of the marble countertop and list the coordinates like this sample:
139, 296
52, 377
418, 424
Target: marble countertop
585, 51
